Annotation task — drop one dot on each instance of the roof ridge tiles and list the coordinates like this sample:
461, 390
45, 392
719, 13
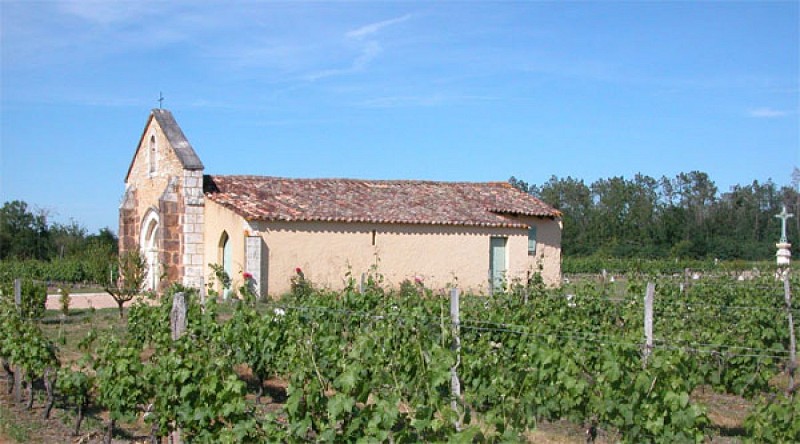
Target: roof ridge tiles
488, 204
361, 180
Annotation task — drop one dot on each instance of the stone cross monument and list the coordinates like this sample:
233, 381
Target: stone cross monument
784, 255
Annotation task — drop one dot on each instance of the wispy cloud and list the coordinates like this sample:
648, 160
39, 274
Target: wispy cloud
373, 28
79, 33
304, 123
767, 113
402, 101
368, 48
114, 12
419, 101
367, 53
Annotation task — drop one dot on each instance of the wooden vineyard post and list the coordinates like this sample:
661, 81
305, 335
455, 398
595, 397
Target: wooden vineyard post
527, 290
17, 370
455, 384
18, 293
787, 290
686, 275
648, 321
603, 277
177, 322
177, 317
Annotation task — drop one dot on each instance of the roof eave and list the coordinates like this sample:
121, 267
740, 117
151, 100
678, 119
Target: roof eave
376, 221
549, 214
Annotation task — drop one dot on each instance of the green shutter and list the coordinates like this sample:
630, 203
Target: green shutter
532, 241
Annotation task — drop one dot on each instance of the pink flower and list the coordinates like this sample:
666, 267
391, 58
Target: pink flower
298, 270
247, 276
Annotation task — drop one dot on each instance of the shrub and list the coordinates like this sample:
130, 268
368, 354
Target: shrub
64, 300
301, 287
33, 295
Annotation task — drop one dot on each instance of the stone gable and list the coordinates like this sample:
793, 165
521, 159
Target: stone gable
165, 182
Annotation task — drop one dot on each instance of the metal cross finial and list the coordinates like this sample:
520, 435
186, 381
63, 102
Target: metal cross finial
783, 216
160, 100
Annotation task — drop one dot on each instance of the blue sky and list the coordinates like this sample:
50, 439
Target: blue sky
475, 91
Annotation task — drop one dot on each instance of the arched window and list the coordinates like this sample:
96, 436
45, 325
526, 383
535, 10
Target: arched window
152, 157
225, 259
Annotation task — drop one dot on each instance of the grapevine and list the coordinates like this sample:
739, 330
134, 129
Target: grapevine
376, 366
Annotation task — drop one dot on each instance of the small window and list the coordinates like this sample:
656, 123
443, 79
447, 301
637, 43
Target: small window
152, 156
532, 241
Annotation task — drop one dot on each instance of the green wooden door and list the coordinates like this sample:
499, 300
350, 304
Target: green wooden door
497, 262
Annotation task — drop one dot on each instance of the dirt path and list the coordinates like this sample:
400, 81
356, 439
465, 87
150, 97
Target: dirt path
82, 300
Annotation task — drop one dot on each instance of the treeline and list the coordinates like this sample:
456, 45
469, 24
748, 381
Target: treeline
682, 217
33, 248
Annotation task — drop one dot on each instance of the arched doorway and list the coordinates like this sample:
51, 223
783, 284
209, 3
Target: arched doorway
225, 259
148, 243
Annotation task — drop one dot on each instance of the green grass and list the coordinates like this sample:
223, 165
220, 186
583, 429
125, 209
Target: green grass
68, 332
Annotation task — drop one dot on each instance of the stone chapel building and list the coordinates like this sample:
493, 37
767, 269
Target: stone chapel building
475, 235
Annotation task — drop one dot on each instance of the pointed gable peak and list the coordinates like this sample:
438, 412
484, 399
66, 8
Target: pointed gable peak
183, 149
177, 140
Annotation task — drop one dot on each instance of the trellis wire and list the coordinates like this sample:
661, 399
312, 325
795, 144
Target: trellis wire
593, 337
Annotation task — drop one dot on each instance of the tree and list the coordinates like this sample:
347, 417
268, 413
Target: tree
106, 238
643, 217
98, 252
132, 274
68, 239
23, 234
680, 216
519, 184
574, 199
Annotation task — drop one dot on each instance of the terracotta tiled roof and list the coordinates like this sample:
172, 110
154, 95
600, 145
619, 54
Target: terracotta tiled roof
377, 201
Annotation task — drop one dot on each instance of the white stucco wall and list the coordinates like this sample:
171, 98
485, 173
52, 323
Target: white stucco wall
326, 251
217, 220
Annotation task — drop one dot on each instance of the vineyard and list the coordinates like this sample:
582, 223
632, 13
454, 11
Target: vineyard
376, 365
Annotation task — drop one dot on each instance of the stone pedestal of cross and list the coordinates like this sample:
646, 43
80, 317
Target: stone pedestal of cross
783, 256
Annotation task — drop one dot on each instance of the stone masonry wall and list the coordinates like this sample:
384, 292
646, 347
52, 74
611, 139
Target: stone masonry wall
193, 223
170, 208
128, 222
150, 187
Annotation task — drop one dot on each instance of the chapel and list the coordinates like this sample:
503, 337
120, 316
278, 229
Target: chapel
477, 236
